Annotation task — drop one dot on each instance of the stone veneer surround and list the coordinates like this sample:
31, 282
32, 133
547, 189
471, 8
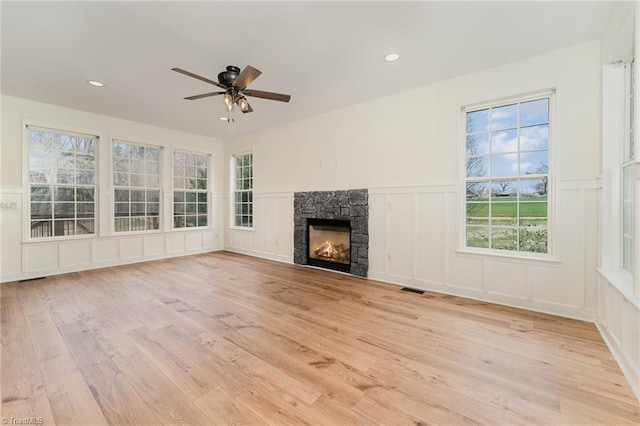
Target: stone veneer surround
351, 205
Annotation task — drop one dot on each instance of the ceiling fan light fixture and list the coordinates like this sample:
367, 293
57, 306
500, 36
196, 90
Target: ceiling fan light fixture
228, 99
244, 105
391, 57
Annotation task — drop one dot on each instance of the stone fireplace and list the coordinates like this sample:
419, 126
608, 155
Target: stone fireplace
331, 230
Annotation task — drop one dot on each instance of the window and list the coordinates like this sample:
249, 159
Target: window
243, 190
631, 111
507, 176
62, 183
136, 180
628, 182
628, 175
189, 189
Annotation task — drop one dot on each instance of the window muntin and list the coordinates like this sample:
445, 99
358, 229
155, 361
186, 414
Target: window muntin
507, 175
62, 182
243, 190
190, 189
136, 180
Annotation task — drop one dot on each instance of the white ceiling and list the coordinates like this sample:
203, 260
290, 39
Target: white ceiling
327, 55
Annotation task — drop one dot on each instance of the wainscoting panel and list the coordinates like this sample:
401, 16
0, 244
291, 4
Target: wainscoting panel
618, 320
272, 233
467, 272
40, 257
76, 253
544, 286
246, 240
430, 226
105, 250
263, 219
269, 227
506, 278
153, 245
175, 243
401, 235
44, 258
131, 247
209, 239
11, 255
284, 237
377, 239
193, 240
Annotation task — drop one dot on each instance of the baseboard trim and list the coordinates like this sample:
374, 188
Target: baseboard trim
627, 368
260, 255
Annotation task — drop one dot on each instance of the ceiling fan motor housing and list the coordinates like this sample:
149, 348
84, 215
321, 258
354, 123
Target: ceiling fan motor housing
229, 76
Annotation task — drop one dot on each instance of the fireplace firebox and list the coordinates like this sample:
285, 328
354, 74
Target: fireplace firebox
329, 243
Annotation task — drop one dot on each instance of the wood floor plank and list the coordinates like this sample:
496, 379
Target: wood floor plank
257, 368
46, 338
167, 402
23, 392
71, 399
183, 372
223, 409
120, 403
96, 366
221, 338
295, 367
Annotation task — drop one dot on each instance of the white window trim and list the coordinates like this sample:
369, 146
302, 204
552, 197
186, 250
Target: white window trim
26, 194
232, 189
112, 188
209, 191
552, 243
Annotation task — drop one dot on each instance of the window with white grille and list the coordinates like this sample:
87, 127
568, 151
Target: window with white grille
62, 183
136, 181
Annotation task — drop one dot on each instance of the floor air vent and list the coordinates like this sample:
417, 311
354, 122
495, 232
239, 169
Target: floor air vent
31, 279
412, 290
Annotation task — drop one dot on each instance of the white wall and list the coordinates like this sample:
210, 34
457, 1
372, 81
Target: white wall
407, 149
22, 259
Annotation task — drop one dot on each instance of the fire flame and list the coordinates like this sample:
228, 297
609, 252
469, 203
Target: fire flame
327, 250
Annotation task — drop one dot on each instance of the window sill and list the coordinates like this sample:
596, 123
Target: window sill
128, 233
61, 238
528, 257
241, 228
622, 281
193, 228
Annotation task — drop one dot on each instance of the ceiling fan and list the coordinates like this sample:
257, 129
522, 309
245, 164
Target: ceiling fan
235, 85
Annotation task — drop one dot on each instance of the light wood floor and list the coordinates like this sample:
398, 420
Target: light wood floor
222, 338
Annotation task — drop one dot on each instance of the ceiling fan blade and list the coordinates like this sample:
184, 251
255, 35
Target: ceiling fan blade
206, 80
245, 77
204, 95
267, 95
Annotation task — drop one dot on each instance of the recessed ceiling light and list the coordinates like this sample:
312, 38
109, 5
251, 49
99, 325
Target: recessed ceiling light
392, 57
95, 83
